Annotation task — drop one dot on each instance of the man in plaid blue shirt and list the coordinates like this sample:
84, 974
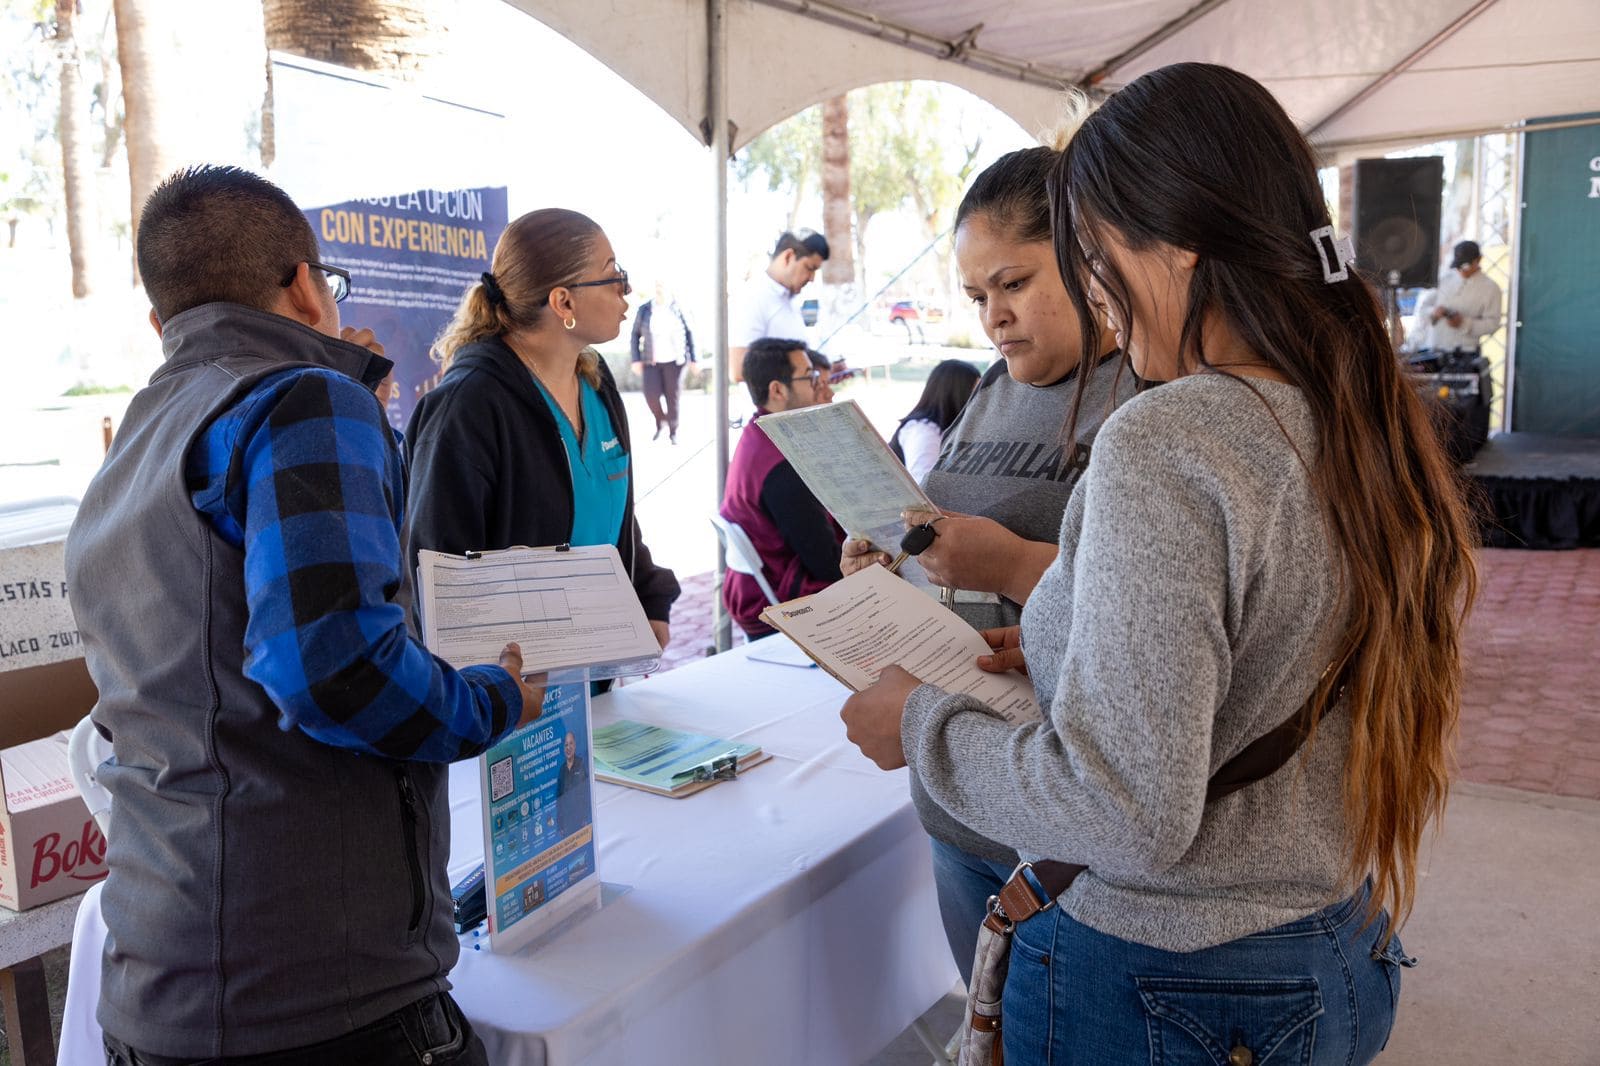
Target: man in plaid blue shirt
277, 889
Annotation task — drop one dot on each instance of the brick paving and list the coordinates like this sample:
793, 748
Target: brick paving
1530, 715
1531, 711
693, 622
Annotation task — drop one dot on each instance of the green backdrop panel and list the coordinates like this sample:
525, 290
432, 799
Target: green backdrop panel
1557, 387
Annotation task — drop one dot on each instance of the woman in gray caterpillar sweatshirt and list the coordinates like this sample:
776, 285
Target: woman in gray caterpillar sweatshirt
1276, 523
1006, 469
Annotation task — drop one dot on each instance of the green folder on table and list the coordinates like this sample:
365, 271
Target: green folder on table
668, 762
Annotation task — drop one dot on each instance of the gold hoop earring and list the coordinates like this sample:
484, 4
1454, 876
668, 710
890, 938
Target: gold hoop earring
570, 323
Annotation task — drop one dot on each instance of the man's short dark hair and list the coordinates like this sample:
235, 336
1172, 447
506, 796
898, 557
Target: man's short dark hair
804, 244
766, 361
211, 233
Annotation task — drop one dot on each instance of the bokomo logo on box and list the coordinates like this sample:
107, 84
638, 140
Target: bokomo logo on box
49, 846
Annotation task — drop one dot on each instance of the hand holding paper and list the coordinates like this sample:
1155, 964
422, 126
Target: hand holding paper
872, 717
871, 620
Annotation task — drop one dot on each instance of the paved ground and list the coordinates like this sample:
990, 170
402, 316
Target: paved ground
1531, 713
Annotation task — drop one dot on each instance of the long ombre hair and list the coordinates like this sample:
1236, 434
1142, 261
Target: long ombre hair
1202, 158
538, 253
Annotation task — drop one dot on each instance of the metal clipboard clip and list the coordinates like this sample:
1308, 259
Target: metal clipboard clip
721, 768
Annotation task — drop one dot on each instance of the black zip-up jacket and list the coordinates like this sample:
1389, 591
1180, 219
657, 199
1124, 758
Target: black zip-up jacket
488, 470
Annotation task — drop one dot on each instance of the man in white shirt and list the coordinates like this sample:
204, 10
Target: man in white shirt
1463, 310
766, 308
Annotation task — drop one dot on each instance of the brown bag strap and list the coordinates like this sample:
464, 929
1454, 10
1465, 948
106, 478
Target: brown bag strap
1261, 758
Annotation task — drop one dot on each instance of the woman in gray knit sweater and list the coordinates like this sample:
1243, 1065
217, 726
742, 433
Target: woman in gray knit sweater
1275, 519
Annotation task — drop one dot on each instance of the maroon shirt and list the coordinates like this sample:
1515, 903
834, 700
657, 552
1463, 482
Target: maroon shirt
796, 538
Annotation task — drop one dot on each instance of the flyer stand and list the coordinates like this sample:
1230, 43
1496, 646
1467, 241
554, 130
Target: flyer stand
541, 869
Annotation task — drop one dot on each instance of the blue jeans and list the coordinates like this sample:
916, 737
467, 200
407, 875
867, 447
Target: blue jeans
1318, 991
964, 882
431, 1031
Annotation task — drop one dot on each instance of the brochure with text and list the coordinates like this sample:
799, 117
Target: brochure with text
539, 848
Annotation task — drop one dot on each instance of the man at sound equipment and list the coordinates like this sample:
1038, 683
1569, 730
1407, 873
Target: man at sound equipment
1463, 310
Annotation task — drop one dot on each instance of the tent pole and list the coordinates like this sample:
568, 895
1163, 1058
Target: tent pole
718, 137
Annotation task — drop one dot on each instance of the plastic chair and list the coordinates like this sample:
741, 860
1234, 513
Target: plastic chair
741, 554
86, 751
80, 1032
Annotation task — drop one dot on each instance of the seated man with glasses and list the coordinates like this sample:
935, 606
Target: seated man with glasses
277, 880
796, 538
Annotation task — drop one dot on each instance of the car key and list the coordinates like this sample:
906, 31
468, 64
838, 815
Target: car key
917, 540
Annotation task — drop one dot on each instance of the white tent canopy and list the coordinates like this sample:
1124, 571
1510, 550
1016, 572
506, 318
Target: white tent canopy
1355, 73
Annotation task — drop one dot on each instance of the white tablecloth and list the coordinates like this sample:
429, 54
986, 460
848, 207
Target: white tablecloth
787, 917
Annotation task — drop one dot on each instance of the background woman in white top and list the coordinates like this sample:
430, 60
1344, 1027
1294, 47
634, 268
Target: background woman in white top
917, 439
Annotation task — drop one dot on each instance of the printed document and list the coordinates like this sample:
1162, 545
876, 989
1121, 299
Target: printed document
872, 619
850, 470
567, 607
539, 846
665, 761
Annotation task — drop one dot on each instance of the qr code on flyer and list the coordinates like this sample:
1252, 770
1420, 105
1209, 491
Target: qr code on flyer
500, 780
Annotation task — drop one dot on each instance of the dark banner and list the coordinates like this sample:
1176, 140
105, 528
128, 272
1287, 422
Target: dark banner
410, 257
1557, 384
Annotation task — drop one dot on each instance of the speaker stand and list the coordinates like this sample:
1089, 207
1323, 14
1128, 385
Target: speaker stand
1391, 309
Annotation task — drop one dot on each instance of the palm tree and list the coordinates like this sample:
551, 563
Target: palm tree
392, 37
143, 112
840, 269
74, 165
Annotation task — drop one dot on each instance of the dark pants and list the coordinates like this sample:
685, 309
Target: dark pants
661, 384
430, 1031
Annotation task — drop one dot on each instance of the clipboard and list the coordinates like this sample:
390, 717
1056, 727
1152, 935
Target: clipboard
849, 468
569, 608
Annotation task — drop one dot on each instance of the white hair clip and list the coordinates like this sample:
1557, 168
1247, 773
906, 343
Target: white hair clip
1336, 253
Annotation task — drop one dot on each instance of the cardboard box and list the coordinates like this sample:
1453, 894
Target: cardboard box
49, 845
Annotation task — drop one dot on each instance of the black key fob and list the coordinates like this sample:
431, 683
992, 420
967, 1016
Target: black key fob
917, 540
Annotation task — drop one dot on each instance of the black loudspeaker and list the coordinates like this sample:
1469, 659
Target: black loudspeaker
1396, 205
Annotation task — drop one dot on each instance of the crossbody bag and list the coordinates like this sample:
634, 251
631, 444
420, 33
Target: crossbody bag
1034, 886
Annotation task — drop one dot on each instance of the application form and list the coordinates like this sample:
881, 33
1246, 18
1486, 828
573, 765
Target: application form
871, 619
566, 607
849, 469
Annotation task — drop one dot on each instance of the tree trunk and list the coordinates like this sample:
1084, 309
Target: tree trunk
269, 120
394, 37
397, 38
110, 92
142, 106
74, 166
840, 269
861, 221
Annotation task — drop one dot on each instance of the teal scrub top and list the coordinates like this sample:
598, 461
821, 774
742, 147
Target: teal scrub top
599, 469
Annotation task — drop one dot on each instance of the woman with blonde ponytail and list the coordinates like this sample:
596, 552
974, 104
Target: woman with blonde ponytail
525, 440
1273, 537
